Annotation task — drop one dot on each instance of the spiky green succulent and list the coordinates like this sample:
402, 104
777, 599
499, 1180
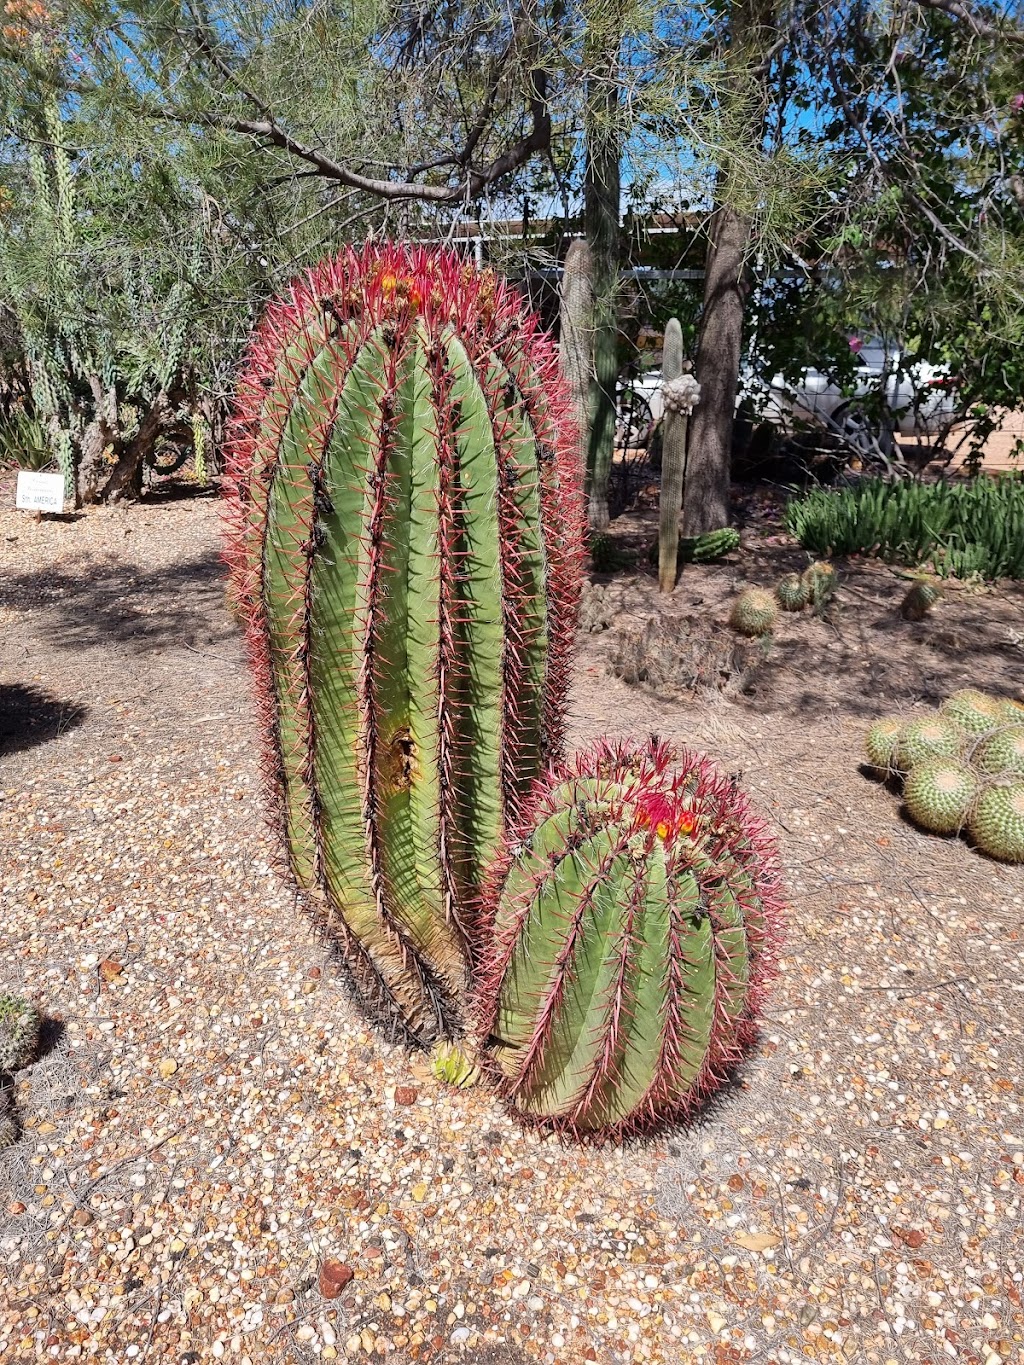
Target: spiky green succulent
9, 1130
996, 824
791, 592
454, 1065
821, 580
919, 600
636, 916
1002, 752
1011, 712
927, 737
973, 711
711, 545
20, 1023
405, 541
880, 744
939, 794
754, 612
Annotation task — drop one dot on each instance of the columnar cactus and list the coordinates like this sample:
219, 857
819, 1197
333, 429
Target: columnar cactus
405, 529
636, 919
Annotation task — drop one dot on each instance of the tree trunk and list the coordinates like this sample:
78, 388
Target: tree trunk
706, 493
752, 39
576, 308
125, 482
601, 194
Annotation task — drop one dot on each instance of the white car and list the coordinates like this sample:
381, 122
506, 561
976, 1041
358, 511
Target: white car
918, 400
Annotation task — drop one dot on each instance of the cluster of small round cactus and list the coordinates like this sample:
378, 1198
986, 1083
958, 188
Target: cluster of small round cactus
756, 610
962, 769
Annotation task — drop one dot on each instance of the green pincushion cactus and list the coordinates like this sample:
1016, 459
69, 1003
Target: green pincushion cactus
927, 737
20, 1023
754, 612
996, 823
405, 532
973, 711
1001, 752
880, 744
635, 920
791, 592
8, 1120
939, 794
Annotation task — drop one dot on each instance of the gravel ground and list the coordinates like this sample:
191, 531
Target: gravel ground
212, 1132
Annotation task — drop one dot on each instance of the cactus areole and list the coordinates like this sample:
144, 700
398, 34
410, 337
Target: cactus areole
405, 523
634, 934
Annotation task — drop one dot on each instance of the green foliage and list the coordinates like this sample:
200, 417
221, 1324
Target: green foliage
820, 581
957, 529
606, 555
20, 1023
23, 443
754, 612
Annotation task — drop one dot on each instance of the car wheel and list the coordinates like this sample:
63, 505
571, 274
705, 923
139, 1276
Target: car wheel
860, 429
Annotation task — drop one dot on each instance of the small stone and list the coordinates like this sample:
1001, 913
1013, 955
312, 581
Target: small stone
334, 1276
167, 1066
81, 1218
716, 1322
16, 1209
305, 1332
111, 970
406, 1094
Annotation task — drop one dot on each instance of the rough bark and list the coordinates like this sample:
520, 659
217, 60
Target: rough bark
754, 37
719, 350
673, 460
576, 309
601, 223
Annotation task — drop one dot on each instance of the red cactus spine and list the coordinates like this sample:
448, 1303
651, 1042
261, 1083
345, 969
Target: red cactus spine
635, 918
404, 536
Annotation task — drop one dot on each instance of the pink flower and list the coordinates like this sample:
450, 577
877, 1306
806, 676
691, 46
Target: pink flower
1017, 103
856, 345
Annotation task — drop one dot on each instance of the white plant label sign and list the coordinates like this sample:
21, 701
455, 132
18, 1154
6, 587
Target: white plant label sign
40, 492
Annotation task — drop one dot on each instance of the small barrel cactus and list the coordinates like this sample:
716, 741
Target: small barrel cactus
919, 600
791, 592
1001, 752
927, 737
996, 823
973, 711
880, 745
821, 580
20, 1023
754, 612
939, 794
636, 917
405, 517
709, 546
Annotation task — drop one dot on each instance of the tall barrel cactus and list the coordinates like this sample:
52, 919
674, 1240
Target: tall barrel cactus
636, 918
405, 524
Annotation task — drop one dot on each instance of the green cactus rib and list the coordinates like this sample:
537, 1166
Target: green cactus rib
405, 540
635, 916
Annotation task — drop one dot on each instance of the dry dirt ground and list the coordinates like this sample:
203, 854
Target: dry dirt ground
210, 1119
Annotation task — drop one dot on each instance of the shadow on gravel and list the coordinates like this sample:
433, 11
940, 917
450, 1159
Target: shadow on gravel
30, 716
95, 602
